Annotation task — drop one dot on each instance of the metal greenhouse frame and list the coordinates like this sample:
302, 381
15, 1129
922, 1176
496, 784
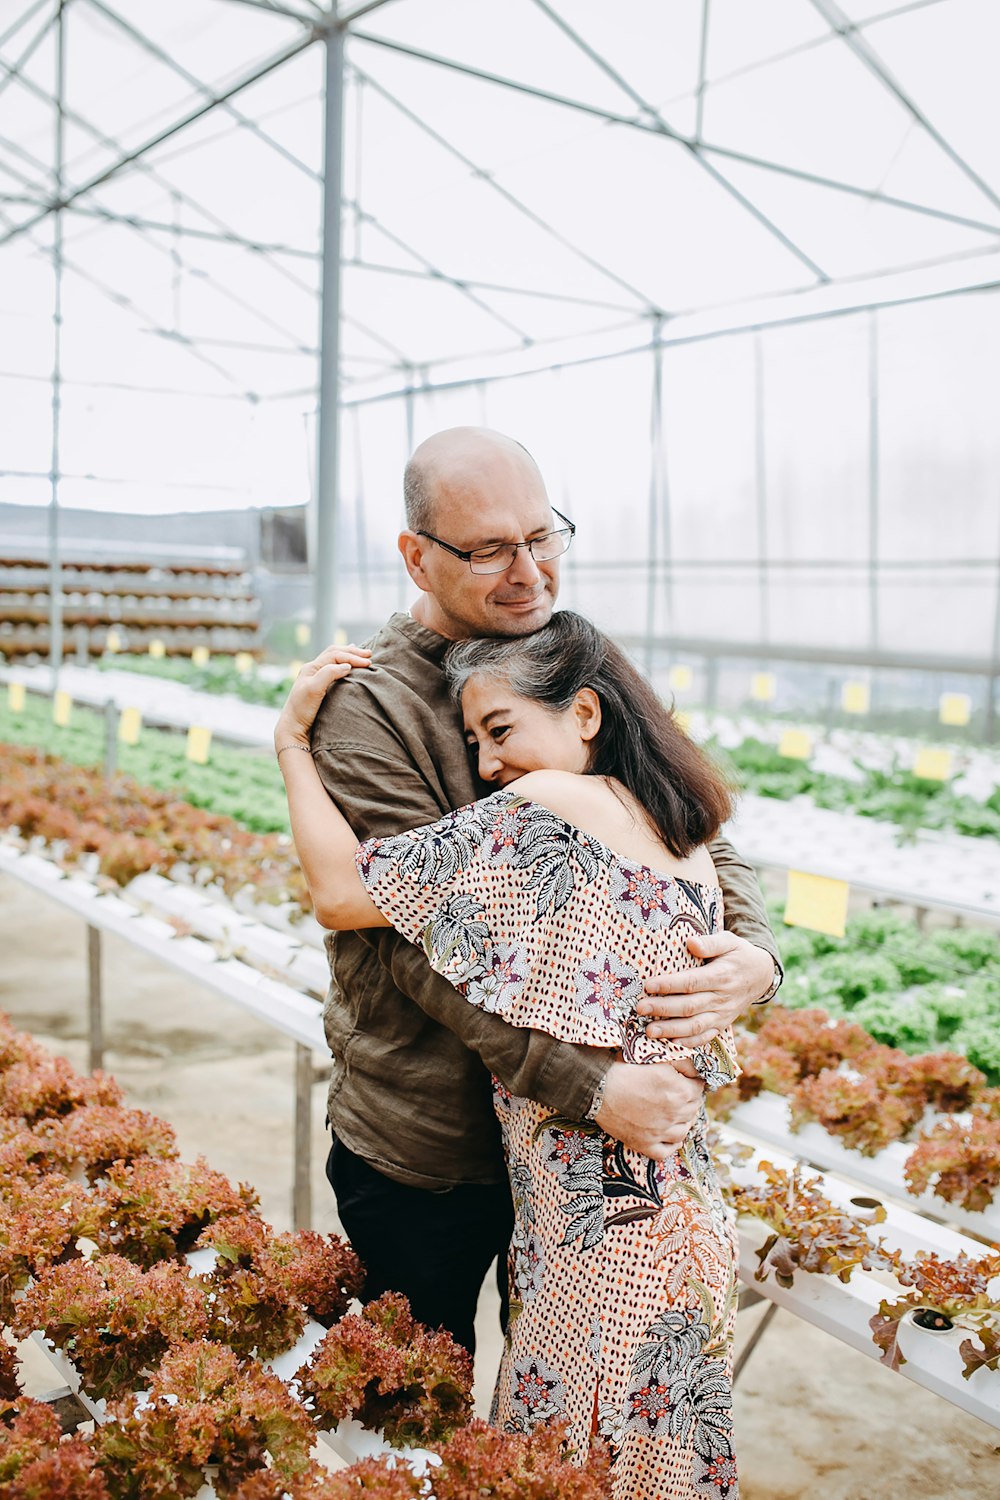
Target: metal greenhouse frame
43, 195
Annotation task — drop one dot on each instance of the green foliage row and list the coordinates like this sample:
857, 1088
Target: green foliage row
219, 675
896, 795
909, 989
241, 784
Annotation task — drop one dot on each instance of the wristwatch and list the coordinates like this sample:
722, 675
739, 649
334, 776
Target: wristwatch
774, 986
598, 1100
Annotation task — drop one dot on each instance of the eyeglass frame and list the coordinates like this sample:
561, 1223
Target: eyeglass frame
467, 556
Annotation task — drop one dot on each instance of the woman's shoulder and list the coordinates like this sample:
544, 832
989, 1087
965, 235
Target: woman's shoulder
564, 793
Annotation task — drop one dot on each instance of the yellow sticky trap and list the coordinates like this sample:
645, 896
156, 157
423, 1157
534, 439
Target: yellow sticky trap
955, 708
303, 634
795, 744
816, 902
932, 764
763, 687
113, 642
294, 668
855, 697
129, 726
200, 656
680, 678
244, 662
199, 742
15, 697
62, 707
157, 650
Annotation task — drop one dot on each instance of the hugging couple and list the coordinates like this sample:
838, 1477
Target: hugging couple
517, 851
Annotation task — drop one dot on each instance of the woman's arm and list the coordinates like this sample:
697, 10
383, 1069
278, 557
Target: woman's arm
323, 838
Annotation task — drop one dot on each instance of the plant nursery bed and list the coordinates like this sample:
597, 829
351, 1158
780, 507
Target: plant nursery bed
765, 1120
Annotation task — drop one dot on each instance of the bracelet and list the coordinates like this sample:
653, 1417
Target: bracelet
280, 750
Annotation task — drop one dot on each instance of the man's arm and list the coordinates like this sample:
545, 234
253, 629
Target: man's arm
740, 964
363, 765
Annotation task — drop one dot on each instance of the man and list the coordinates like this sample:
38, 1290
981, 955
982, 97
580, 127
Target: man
416, 1163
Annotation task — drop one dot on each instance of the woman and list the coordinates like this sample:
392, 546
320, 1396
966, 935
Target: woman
548, 902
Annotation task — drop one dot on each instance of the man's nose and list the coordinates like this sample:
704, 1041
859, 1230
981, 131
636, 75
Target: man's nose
524, 569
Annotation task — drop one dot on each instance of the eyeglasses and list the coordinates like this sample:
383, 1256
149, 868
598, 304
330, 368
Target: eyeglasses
501, 556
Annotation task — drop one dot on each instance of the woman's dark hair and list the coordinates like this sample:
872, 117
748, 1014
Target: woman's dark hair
639, 742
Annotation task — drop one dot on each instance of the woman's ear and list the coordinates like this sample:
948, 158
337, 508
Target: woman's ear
587, 707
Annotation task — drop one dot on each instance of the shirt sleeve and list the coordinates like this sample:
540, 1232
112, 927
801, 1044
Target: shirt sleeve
746, 914
380, 788
506, 900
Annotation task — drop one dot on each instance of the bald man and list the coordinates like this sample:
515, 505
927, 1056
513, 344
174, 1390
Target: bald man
416, 1163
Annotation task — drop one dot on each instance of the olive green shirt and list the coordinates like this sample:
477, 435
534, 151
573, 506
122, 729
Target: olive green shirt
411, 1090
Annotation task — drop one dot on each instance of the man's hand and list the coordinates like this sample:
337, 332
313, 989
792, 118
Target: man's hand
693, 1005
650, 1107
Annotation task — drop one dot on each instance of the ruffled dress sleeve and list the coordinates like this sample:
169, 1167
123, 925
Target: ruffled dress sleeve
535, 920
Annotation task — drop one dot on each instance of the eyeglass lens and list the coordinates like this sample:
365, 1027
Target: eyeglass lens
499, 559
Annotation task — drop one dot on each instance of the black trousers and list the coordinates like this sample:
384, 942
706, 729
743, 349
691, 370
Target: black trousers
435, 1248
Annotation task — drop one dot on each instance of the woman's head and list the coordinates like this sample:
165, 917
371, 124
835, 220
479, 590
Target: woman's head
567, 698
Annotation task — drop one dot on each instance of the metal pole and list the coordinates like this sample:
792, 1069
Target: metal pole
760, 455
95, 1000
55, 571
873, 487
655, 483
327, 498
110, 737
302, 1176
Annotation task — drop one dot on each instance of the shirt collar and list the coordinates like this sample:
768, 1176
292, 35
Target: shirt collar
428, 642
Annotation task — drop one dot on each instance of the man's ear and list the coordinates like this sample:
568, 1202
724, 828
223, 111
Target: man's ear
587, 707
412, 549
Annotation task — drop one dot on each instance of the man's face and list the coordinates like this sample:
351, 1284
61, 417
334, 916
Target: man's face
502, 499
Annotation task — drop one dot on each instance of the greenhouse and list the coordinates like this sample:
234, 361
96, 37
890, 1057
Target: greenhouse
381, 322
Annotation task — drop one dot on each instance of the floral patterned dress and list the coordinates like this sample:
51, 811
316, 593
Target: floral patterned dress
622, 1269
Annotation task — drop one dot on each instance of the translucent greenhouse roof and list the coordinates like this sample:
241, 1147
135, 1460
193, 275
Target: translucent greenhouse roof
525, 182
727, 267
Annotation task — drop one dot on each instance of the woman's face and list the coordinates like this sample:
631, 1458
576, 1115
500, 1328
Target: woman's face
514, 735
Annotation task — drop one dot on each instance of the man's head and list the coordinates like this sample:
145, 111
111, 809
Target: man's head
472, 488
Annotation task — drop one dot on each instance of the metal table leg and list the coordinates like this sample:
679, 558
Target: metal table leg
302, 1176
753, 1341
95, 999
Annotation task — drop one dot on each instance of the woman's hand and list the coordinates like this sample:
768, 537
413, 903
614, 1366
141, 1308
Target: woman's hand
310, 688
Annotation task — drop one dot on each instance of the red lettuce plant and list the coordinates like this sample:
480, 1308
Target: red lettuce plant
10, 1385
949, 1292
40, 1221
391, 1374
480, 1460
205, 1406
963, 1160
322, 1271
264, 1283
944, 1080
808, 1231
151, 1210
371, 1479
251, 1308
43, 1086
97, 1135
114, 1321
863, 1112
813, 1040
38, 1463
